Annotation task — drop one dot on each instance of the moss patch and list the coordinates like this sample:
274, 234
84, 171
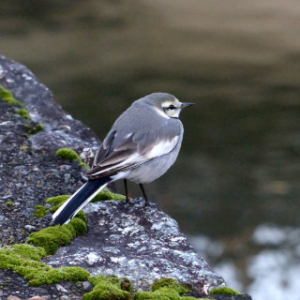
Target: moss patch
37, 127
57, 201
106, 194
165, 289
24, 113
161, 294
172, 284
8, 96
193, 298
108, 288
40, 211
10, 204
69, 154
25, 260
51, 238
224, 291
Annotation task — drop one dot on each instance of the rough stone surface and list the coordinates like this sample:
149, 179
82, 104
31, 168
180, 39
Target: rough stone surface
61, 130
143, 244
128, 240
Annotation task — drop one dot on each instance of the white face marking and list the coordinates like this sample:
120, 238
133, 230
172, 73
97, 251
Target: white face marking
172, 108
161, 112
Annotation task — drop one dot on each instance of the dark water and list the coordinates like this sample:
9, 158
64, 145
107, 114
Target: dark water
235, 187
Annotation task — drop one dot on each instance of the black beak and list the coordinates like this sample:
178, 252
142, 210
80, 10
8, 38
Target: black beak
186, 104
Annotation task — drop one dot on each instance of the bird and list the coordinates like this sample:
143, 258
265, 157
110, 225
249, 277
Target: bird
141, 146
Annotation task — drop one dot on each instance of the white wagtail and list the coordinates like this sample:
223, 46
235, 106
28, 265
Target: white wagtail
141, 146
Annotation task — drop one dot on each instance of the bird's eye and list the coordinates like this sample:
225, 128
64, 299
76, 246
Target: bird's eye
171, 107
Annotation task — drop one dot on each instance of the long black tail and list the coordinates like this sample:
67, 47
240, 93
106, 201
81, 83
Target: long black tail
80, 199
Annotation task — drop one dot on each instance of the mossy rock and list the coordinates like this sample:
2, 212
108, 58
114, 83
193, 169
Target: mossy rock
34, 129
10, 204
8, 96
224, 291
165, 289
51, 238
106, 194
40, 211
172, 284
69, 154
25, 260
107, 288
24, 113
161, 294
57, 201
193, 298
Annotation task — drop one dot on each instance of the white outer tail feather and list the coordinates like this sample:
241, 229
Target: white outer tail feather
81, 206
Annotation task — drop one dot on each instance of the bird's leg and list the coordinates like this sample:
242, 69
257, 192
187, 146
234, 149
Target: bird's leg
126, 190
144, 195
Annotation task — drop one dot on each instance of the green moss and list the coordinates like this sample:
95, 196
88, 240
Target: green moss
40, 211
106, 194
10, 204
107, 288
161, 294
193, 298
224, 291
79, 225
172, 284
8, 96
165, 289
69, 154
57, 201
35, 129
25, 260
24, 113
51, 238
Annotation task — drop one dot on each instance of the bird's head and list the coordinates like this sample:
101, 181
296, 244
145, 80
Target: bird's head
166, 105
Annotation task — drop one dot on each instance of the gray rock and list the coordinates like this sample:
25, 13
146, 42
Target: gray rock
143, 244
87, 285
60, 288
61, 130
